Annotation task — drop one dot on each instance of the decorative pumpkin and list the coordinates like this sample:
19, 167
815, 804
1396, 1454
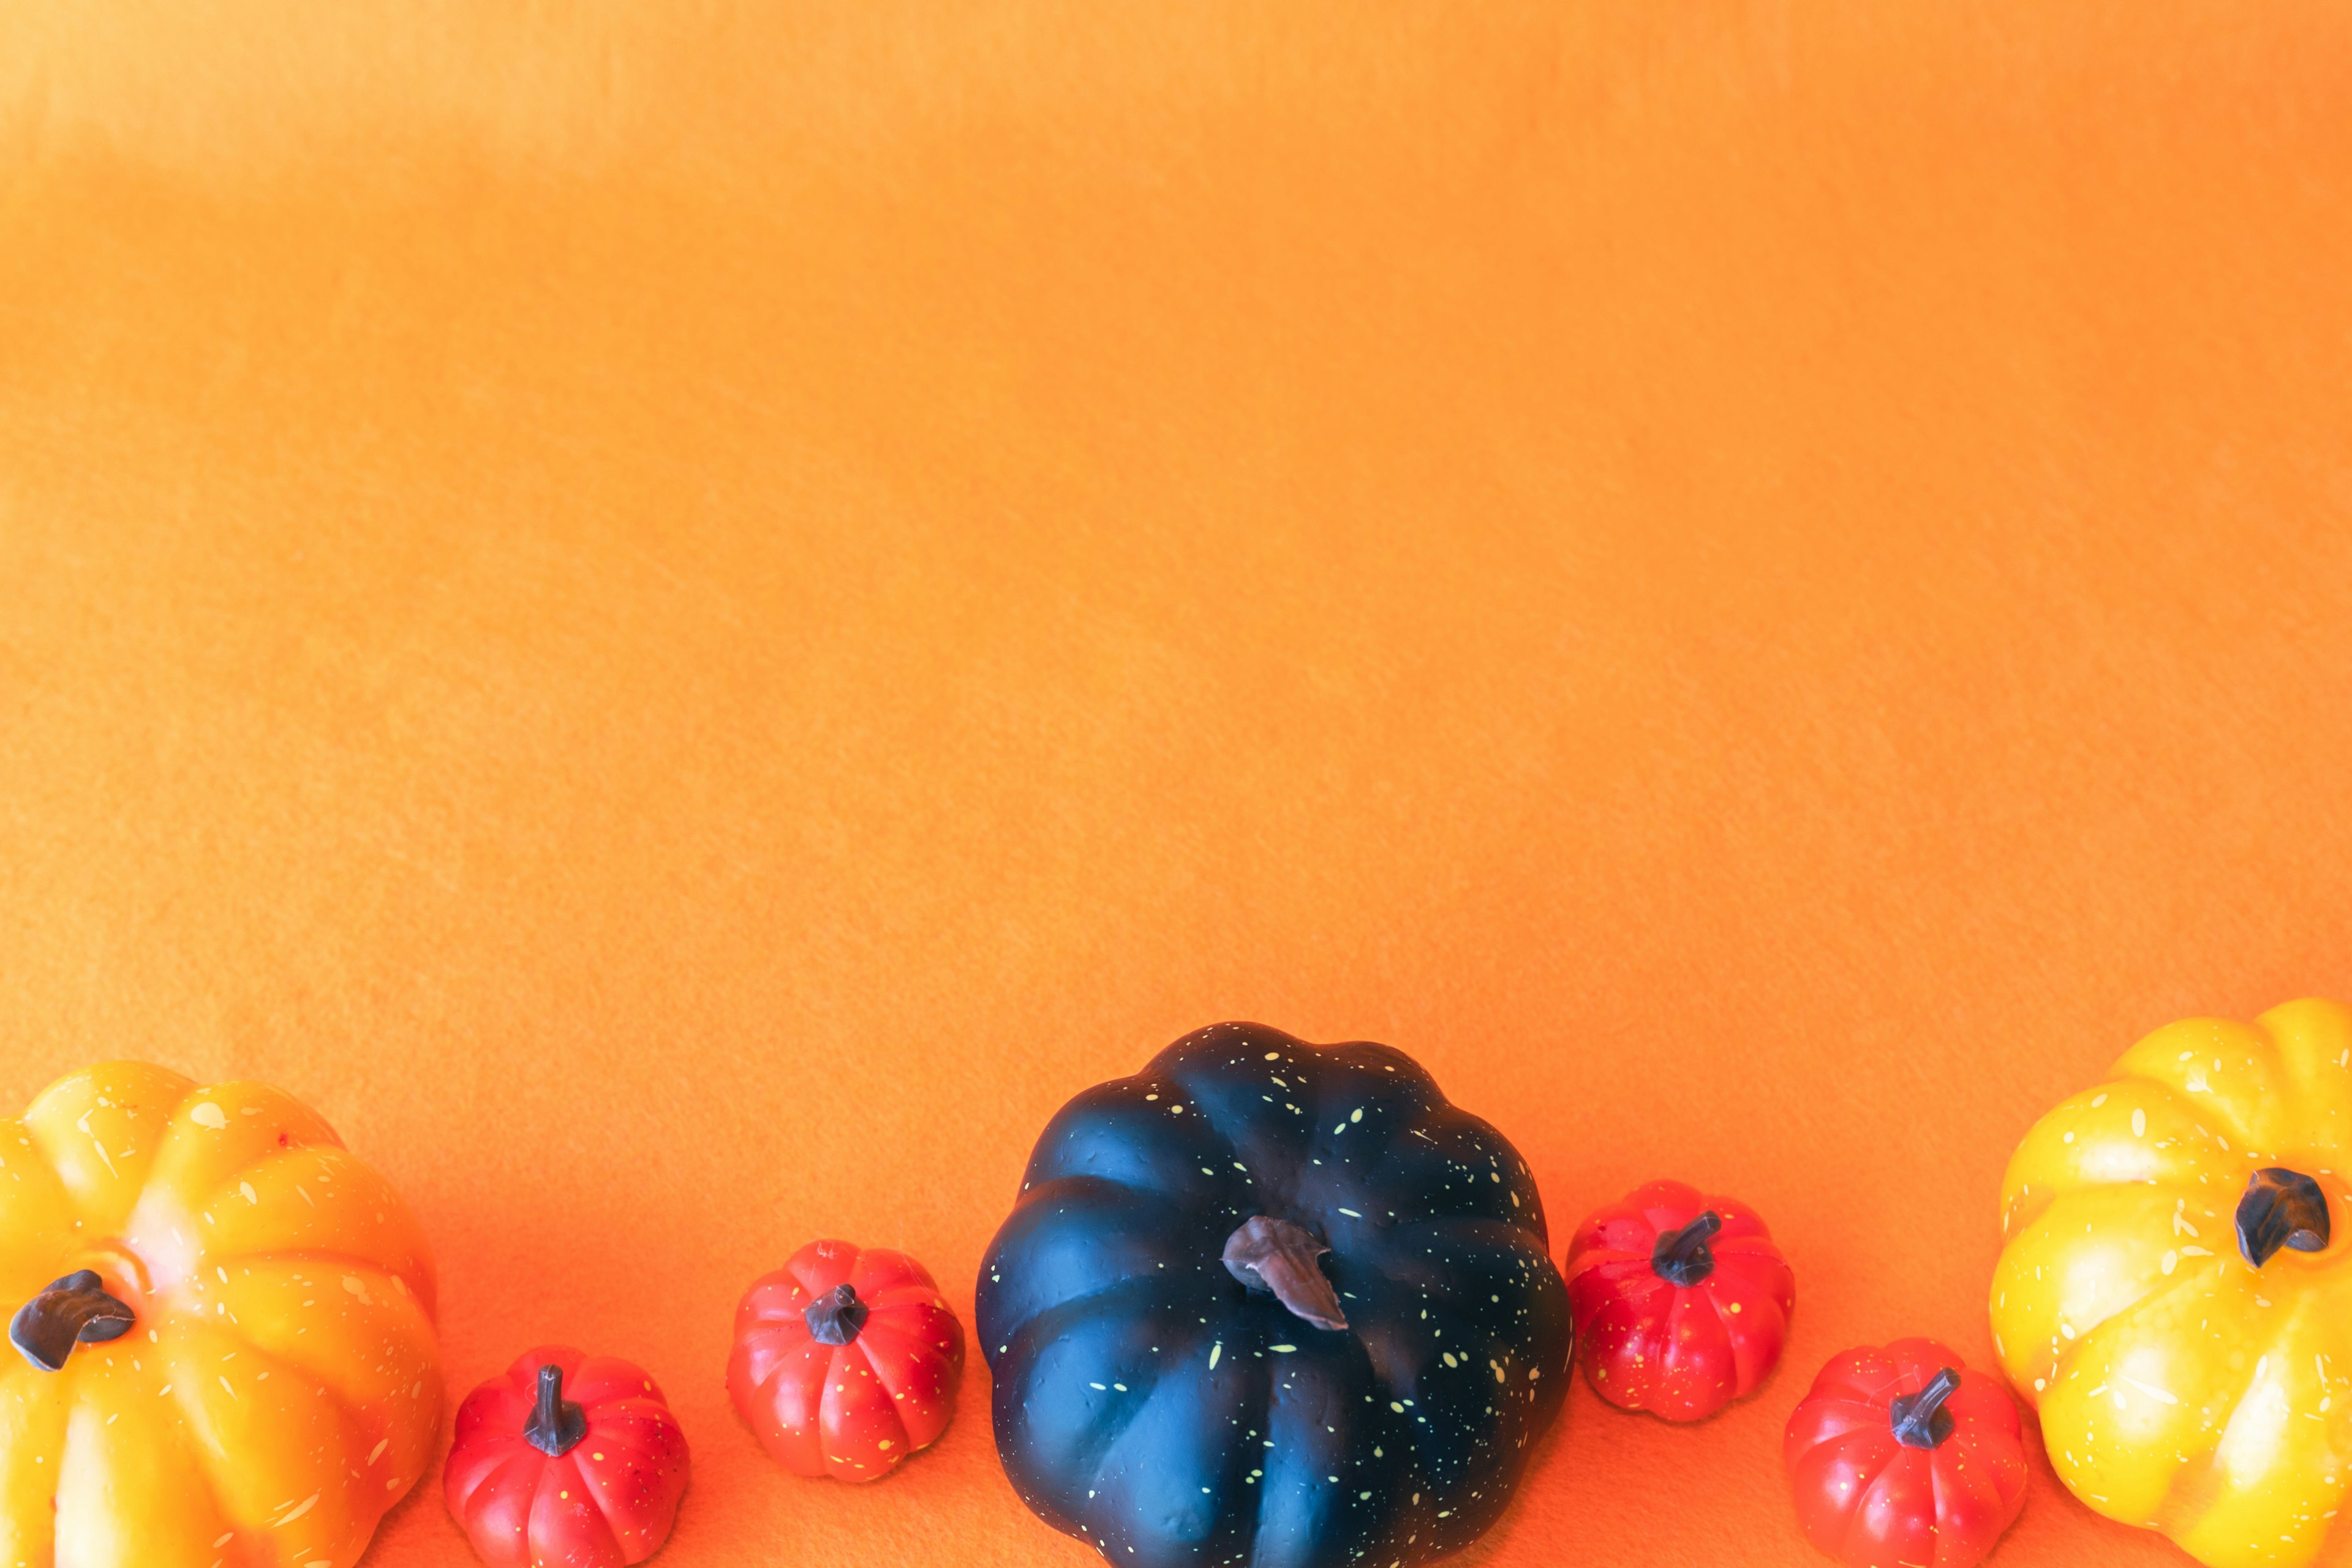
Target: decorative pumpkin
1902, 1458
1268, 1303
2175, 1294
566, 1460
844, 1361
224, 1328
1682, 1301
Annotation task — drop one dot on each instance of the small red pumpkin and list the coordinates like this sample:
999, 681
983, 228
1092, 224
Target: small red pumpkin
1902, 1458
844, 1361
566, 1461
1681, 1301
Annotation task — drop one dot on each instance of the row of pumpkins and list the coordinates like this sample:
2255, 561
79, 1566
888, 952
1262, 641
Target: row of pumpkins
1265, 1303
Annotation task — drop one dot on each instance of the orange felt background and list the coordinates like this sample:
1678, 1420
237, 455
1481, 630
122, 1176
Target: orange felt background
688, 616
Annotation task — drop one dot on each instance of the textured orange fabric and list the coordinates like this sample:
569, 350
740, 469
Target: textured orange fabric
685, 617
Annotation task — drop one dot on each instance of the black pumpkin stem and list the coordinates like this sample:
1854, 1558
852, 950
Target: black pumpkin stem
556, 1424
1683, 1256
2281, 1208
1277, 1255
1920, 1419
73, 1310
836, 1317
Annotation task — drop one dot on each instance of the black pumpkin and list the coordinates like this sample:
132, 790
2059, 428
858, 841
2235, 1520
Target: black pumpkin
1272, 1305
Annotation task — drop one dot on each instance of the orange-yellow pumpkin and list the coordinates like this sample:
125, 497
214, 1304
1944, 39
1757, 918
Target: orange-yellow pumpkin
239, 1316
2175, 1294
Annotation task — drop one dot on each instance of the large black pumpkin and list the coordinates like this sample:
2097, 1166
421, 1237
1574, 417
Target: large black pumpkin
1272, 1305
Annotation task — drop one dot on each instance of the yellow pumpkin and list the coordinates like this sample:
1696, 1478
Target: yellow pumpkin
222, 1326
2175, 1291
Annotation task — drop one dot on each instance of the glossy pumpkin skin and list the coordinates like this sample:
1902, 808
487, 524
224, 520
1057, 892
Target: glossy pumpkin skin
1152, 1403
276, 1386
1685, 1333
2181, 1385
1866, 1496
604, 1492
845, 1394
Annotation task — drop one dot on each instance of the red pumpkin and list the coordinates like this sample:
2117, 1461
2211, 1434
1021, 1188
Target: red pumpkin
1681, 1300
1902, 1458
566, 1461
846, 1361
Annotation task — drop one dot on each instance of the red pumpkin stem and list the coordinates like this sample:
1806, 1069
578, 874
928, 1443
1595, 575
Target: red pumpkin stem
1919, 1419
838, 1317
1683, 1256
1277, 1255
73, 1310
556, 1424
